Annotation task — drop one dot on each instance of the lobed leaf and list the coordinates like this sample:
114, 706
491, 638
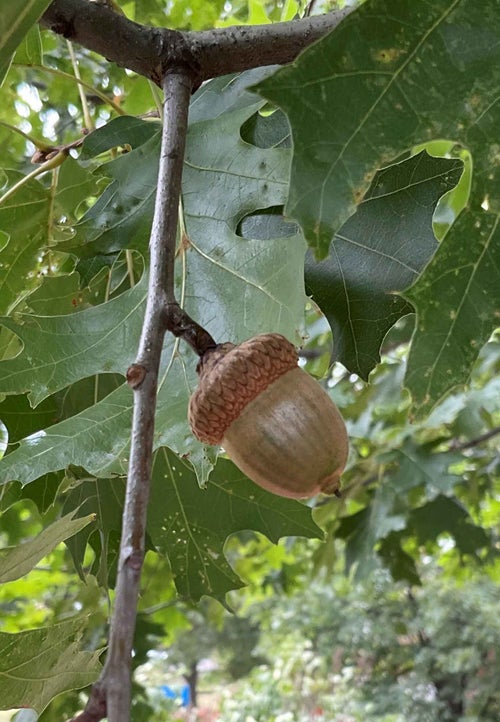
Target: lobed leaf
16, 562
458, 302
37, 665
190, 525
98, 438
59, 350
379, 251
391, 76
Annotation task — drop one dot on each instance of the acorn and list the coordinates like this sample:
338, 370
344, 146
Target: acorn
275, 422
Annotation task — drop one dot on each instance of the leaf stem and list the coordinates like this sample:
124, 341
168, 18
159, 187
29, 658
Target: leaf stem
54, 162
41, 145
89, 124
50, 219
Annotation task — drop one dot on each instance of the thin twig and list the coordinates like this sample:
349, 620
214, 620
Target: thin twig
459, 446
115, 681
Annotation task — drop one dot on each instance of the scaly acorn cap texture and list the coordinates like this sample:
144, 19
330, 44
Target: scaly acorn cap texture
274, 421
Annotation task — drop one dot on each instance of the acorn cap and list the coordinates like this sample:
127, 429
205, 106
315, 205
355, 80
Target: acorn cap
231, 377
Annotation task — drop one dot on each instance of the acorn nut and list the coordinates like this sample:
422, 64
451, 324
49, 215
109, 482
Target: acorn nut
274, 421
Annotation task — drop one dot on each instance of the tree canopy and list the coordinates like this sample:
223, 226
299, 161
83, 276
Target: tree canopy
345, 197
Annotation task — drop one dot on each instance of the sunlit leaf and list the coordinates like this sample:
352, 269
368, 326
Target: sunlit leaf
17, 562
25, 235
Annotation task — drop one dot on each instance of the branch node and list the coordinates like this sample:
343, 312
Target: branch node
134, 561
136, 373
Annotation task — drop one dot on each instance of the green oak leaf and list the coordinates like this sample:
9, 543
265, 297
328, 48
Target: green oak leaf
458, 307
98, 437
103, 499
74, 183
21, 420
122, 215
60, 295
190, 525
30, 51
59, 350
95, 439
365, 528
39, 664
23, 236
125, 130
416, 465
444, 515
16, 19
379, 251
264, 275
227, 93
401, 565
41, 492
26, 229
364, 95
16, 562
224, 180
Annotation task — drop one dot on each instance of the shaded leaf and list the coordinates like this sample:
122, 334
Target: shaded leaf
363, 529
190, 525
74, 184
103, 499
364, 95
458, 302
122, 215
21, 420
16, 562
16, 19
37, 665
444, 515
124, 130
417, 465
380, 250
401, 565
57, 296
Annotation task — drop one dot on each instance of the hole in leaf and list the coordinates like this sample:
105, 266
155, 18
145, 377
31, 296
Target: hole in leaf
266, 224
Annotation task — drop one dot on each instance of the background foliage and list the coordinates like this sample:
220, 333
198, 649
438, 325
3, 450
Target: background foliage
377, 149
